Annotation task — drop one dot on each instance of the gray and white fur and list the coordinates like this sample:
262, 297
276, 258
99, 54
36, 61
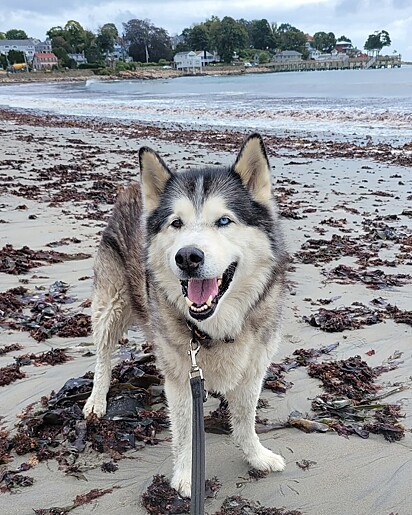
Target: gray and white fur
202, 246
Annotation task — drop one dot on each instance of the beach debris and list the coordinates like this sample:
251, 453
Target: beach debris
5, 447
10, 373
20, 261
10, 348
357, 316
305, 424
57, 426
109, 466
51, 357
160, 498
79, 500
350, 317
257, 474
46, 316
305, 464
386, 423
375, 279
218, 421
237, 505
351, 377
10, 479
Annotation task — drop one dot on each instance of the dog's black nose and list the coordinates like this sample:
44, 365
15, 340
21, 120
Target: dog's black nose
189, 258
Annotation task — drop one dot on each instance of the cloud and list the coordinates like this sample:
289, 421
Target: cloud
354, 18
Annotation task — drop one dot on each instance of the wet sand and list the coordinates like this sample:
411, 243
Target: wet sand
364, 194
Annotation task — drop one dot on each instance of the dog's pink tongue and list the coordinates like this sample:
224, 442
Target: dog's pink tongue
199, 290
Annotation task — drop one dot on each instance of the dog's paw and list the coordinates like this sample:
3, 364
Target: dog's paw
95, 405
183, 485
267, 461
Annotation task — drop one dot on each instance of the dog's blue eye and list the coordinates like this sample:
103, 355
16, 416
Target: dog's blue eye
224, 220
177, 224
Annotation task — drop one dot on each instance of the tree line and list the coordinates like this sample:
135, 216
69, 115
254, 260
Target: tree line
147, 43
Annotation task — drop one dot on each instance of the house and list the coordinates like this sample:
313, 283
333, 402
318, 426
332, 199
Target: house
27, 46
44, 46
44, 61
207, 57
188, 61
343, 46
287, 56
80, 58
120, 52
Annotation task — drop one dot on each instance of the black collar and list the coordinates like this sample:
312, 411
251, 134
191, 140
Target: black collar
202, 338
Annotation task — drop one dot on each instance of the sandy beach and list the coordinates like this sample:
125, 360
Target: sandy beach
346, 214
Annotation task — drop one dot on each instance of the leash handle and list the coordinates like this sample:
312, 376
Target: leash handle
197, 503
198, 447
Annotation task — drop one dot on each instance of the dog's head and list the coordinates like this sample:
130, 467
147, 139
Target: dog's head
211, 232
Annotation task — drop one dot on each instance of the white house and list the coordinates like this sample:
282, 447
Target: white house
188, 61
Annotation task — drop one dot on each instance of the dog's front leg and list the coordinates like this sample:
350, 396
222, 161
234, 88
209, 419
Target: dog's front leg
242, 405
180, 412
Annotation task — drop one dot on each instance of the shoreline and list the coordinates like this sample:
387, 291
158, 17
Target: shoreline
144, 73
309, 148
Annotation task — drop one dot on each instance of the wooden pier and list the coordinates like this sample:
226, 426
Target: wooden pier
356, 63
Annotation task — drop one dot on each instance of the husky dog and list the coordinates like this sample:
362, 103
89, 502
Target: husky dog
199, 250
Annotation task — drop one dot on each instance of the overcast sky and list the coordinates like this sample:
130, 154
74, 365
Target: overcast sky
353, 18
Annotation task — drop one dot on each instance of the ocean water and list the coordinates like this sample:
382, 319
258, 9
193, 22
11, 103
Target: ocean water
347, 105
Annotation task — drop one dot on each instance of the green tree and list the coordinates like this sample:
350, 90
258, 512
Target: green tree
147, 42
60, 42
106, 37
232, 37
3, 61
261, 35
199, 38
75, 34
16, 34
55, 32
325, 42
293, 40
2, 35
343, 38
377, 41
16, 56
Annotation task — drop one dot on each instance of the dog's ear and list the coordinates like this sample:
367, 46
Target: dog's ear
253, 167
153, 174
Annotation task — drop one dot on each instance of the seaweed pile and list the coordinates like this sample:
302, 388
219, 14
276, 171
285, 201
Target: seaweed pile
356, 316
46, 317
20, 261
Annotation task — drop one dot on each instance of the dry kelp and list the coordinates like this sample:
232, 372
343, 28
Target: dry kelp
237, 505
160, 498
46, 317
10, 348
375, 279
352, 377
79, 500
20, 261
10, 479
357, 315
350, 317
57, 426
10, 373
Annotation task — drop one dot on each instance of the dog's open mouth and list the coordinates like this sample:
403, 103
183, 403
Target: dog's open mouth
203, 295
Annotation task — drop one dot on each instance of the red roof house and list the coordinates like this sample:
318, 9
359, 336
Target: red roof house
44, 61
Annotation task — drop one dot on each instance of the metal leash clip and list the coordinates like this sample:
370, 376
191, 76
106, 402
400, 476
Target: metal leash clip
193, 350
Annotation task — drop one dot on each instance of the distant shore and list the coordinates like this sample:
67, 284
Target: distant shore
144, 73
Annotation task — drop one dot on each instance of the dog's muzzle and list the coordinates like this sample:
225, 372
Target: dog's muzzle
203, 295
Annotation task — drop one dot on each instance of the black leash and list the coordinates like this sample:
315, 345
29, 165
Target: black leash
198, 433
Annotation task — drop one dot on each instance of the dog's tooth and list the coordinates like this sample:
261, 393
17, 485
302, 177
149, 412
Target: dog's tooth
209, 301
219, 282
188, 301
